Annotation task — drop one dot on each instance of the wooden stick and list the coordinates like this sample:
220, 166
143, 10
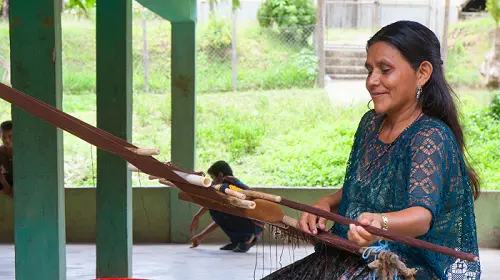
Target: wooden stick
146, 151
261, 195
230, 192
246, 204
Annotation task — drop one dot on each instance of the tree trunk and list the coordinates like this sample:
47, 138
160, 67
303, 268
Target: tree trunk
491, 68
5, 10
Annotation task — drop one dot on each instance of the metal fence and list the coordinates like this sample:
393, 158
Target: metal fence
254, 58
230, 56
364, 17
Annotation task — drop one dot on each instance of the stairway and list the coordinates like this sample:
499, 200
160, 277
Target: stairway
345, 62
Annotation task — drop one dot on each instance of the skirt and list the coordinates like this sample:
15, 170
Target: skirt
332, 264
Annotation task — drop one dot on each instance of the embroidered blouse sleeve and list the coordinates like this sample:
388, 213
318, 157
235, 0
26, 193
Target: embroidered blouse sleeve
427, 170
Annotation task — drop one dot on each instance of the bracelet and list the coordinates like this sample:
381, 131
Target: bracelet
385, 224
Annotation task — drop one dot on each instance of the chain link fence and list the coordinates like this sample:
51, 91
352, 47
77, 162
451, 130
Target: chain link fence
254, 58
241, 57
247, 57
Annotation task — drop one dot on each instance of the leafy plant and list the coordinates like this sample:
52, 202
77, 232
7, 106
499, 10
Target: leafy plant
495, 105
286, 14
306, 62
493, 7
216, 40
81, 6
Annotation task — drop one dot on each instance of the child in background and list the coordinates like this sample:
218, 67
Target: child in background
242, 232
6, 174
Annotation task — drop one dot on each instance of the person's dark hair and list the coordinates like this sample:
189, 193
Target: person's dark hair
222, 167
417, 44
6, 125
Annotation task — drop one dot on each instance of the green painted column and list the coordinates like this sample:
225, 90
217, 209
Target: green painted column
35, 44
114, 114
183, 120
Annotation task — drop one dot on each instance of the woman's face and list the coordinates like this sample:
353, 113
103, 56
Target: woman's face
391, 81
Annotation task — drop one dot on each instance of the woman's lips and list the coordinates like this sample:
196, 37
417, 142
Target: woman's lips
377, 94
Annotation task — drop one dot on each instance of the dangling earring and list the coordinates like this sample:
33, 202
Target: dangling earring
419, 91
368, 105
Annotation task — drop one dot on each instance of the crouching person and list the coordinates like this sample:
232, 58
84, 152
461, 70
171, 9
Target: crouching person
243, 233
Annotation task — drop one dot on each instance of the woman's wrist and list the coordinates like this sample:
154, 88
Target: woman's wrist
384, 221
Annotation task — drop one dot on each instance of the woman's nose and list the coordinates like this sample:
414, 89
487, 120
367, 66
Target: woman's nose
372, 80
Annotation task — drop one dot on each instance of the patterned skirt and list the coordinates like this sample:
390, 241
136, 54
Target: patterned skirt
331, 264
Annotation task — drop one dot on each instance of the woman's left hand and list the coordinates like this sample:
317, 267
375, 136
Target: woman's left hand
359, 235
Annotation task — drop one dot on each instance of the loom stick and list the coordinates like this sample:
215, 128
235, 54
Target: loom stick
151, 166
146, 151
272, 213
86, 132
371, 229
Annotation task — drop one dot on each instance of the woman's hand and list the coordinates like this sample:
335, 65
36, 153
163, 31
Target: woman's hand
307, 222
359, 235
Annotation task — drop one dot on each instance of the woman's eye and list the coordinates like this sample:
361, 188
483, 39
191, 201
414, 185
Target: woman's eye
387, 70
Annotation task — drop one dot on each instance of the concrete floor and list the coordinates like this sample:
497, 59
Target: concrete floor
166, 262
345, 93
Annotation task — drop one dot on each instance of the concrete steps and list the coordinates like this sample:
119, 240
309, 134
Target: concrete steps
347, 76
345, 62
346, 69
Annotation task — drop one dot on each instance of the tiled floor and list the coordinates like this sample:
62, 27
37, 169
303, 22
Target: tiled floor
179, 262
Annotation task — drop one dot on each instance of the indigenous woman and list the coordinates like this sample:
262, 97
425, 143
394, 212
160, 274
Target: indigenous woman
406, 172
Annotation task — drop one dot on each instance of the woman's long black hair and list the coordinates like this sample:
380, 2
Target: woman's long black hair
417, 44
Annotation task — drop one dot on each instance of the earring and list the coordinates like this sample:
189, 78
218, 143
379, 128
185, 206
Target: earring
419, 91
368, 105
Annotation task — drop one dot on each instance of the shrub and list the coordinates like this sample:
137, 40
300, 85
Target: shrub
286, 14
495, 105
216, 39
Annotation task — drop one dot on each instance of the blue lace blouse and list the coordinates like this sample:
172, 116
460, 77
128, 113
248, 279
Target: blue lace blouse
422, 167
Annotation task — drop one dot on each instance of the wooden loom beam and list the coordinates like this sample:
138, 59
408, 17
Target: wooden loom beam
151, 166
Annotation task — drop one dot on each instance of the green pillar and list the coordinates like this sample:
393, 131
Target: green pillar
35, 40
114, 114
183, 119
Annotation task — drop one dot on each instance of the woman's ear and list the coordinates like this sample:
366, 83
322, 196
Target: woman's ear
424, 73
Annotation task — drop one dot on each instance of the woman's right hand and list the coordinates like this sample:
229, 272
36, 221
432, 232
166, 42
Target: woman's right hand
308, 222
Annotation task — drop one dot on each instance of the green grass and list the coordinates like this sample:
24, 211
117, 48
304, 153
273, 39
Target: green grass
482, 131
272, 138
264, 61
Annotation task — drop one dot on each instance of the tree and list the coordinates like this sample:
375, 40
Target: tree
81, 6
491, 68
